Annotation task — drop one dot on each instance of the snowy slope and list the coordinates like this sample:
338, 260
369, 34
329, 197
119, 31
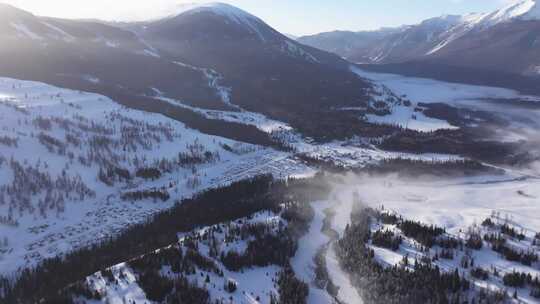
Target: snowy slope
254, 284
56, 143
72, 138
533, 10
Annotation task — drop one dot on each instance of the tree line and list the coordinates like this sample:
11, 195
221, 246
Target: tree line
213, 206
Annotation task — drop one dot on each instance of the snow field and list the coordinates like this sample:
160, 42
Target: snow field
456, 205
28, 109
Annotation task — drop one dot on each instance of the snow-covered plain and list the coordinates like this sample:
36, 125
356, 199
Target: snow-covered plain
426, 90
506, 104
400, 114
453, 204
69, 134
407, 118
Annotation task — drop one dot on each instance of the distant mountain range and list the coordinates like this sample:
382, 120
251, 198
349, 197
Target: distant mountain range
506, 40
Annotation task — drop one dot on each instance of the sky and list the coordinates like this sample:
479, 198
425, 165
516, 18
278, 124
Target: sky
297, 17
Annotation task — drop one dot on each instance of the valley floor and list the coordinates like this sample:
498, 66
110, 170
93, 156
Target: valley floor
77, 168
457, 205
99, 147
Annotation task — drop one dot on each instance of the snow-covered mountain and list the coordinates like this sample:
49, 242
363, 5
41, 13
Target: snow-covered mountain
177, 57
505, 40
19, 26
244, 22
265, 71
386, 45
526, 10
521, 10
90, 55
475, 40
351, 45
219, 22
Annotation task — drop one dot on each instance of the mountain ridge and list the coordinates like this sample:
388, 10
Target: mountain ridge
447, 39
255, 67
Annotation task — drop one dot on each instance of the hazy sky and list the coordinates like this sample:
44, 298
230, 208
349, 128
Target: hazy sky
297, 17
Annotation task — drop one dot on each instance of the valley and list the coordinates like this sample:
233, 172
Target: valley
55, 126
54, 121
388, 201
205, 157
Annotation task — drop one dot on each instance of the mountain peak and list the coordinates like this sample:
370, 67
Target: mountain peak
519, 10
232, 12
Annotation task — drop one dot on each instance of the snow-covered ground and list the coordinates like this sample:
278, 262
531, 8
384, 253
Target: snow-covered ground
347, 293
407, 118
358, 154
484, 258
456, 205
257, 120
49, 130
522, 119
254, 284
426, 90
69, 134
68, 137
303, 262
453, 204
401, 114
351, 153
